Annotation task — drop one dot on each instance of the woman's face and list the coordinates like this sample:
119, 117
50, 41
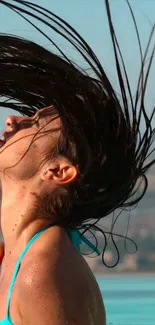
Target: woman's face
27, 141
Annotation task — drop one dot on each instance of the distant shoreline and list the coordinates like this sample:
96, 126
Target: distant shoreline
125, 274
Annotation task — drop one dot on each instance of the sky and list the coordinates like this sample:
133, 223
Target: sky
88, 17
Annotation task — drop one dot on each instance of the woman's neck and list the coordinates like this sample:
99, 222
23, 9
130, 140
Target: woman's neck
20, 217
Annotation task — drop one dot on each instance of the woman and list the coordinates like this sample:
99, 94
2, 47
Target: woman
73, 157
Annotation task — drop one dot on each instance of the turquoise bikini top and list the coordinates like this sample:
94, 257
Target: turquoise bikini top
75, 237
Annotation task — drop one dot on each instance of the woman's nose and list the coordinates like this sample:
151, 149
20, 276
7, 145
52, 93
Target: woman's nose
14, 123
11, 123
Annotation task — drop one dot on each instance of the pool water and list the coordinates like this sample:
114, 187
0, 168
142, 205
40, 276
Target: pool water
129, 299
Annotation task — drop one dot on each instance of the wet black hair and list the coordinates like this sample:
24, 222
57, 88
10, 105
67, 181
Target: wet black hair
101, 131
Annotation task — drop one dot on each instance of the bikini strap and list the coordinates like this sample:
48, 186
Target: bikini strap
18, 266
77, 238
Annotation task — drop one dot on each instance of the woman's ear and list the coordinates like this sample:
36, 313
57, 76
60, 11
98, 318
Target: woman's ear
61, 171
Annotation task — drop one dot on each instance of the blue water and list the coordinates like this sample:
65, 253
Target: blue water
129, 300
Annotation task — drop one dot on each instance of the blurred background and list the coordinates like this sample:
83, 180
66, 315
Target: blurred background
129, 288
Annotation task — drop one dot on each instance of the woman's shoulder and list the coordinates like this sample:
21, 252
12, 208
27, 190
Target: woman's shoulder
62, 270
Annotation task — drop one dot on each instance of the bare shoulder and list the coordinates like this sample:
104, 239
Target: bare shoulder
61, 284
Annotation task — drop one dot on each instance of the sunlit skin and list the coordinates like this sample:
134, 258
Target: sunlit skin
23, 180
52, 265
21, 132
